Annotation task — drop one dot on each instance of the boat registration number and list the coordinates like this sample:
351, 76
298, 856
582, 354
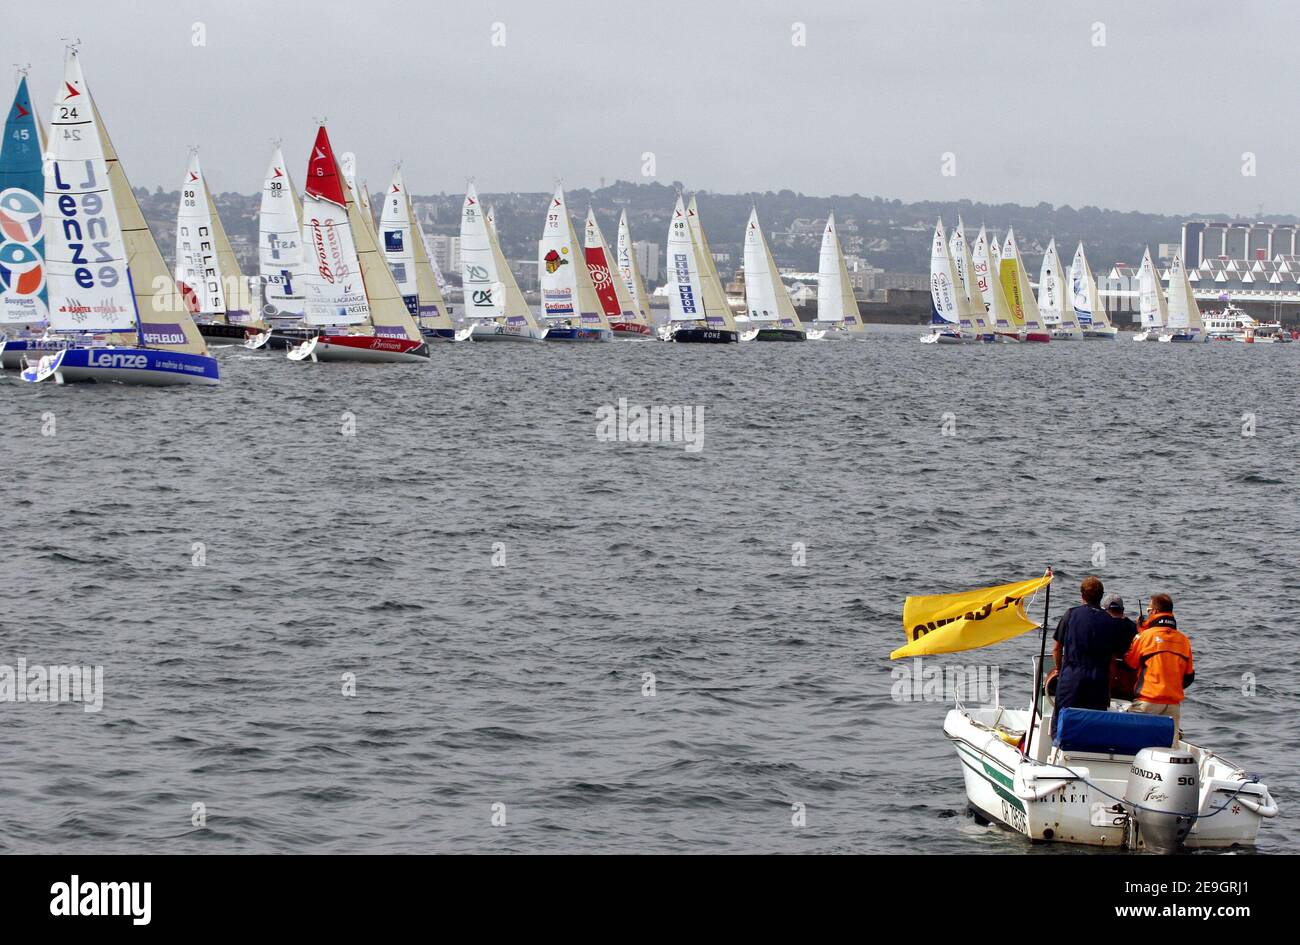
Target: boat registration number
1014, 817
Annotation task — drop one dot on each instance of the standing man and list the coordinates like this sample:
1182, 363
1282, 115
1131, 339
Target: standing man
1123, 680
1087, 640
1162, 655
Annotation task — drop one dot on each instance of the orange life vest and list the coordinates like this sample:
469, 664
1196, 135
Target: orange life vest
1162, 655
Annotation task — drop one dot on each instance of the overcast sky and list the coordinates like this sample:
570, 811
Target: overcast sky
1157, 119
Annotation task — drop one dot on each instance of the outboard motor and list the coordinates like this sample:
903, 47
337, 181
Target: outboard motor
1163, 797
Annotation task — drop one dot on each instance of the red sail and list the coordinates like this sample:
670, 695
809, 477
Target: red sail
323, 177
601, 279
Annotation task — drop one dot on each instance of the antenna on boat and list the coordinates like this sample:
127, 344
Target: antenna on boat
70, 44
21, 69
1034, 711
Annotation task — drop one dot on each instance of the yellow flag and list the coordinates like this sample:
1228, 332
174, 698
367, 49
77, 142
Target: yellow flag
946, 623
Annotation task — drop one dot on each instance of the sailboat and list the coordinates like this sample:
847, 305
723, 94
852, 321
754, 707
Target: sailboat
945, 323
611, 289
639, 322
985, 260
351, 296
697, 307
1088, 308
972, 312
766, 300
1055, 301
1015, 283
207, 273
494, 306
122, 317
24, 309
718, 324
282, 267
570, 304
1184, 314
1151, 301
408, 258
837, 307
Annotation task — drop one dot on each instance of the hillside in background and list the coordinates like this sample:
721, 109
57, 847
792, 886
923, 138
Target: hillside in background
889, 234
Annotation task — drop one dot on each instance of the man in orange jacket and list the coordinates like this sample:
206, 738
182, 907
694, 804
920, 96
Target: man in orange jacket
1162, 655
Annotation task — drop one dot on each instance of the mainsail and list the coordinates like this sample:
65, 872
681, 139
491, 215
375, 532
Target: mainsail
207, 272
685, 289
395, 233
1015, 284
1054, 298
483, 290
1184, 313
567, 289
128, 296
986, 263
631, 272
23, 295
760, 268
1151, 296
281, 264
943, 292
976, 316
610, 287
336, 292
835, 300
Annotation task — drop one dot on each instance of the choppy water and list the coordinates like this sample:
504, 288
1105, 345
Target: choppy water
522, 685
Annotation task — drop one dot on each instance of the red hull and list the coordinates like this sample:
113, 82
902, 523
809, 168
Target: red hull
369, 348
1038, 336
630, 328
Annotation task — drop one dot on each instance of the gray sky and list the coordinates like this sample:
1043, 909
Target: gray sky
1157, 119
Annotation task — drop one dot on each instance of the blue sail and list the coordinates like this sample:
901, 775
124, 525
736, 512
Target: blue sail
23, 294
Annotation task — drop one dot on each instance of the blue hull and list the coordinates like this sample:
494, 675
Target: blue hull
16, 349
124, 366
569, 333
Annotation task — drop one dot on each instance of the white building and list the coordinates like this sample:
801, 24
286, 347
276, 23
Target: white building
446, 252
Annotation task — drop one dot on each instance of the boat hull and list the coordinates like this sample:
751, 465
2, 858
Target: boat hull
780, 334
579, 334
706, 336
1099, 334
490, 331
631, 330
365, 349
445, 334
1037, 337
1076, 801
224, 334
15, 352
149, 366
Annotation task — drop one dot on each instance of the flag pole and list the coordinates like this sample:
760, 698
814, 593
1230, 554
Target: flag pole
1038, 674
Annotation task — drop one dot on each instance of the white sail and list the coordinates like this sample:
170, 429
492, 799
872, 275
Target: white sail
1055, 300
1151, 296
279, 243
761, 285
397, 240
836, 303
977, 313
482, 286
558, 263
197, 269
81, 218
1082, 289
89, 199
685, 290
631, 272
981, 257
389, 316
957, 249
335, 289
1184, 313
943, 297
986, 264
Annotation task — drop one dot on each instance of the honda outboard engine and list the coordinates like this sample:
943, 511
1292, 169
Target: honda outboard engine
1163, 797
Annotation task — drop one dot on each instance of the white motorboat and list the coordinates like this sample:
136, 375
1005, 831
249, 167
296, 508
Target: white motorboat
1106, 778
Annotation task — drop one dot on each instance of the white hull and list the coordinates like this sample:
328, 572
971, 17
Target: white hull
1099, 334
1149, 334
1073, 798
491, 331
